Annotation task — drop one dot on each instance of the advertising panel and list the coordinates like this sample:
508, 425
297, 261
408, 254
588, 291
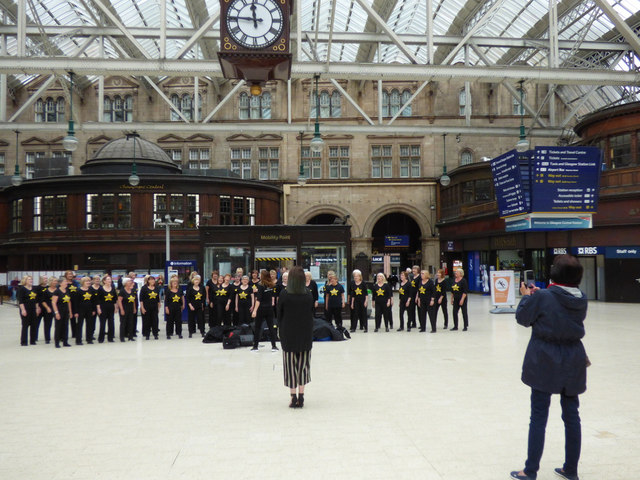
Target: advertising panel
503, 288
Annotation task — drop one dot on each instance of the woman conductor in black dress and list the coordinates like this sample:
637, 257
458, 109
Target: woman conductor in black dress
296, 335
263, 311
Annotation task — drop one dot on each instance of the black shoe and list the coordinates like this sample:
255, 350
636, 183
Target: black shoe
132, 339
464, 329
516, 475
352, 330
386, 329
179, 336
155, 336
301, 400
432, 331
366, 330
57, 345
168, 337
453, 330
147, 337
47, 342
122, 340
376, 330
400, 329
78, 343
445, 327
33, 343
422, 330
408, 329
66, 345
560, 472
111, 340
90, 342
294, 401
190, 334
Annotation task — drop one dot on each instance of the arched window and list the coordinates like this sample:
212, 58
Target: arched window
336, 104
175, 100
51, 110
254, 106
325, 104
518, 109
462, 101
187, 106
406, 95
60, 109
107, 109
466, 157
117, 109
394, 102
39, 108
128, 108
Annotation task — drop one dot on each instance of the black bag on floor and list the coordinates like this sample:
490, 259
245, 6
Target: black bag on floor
231, 341
246, 340
214, 335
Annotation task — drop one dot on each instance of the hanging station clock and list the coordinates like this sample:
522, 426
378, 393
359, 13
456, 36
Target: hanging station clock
254, 40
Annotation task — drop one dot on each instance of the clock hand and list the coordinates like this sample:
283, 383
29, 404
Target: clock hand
251, 19
253, 12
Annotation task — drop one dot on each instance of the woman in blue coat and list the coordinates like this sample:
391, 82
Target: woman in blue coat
555, 361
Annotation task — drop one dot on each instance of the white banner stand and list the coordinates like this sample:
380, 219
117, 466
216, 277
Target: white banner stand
503, 291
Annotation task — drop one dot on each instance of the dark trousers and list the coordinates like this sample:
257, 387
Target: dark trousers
224, 315
382, 311
72, 326
335, 313
107, 324
465, 316
61, 330
213, 316
150, 322
423, 310
244, 315
411, 315
359, 313
572, 432
127, 325
196, 317
174, 319
29, 331
84, 316
91, 327
445, 311
264, 314
403, 309
48, 321
36, 325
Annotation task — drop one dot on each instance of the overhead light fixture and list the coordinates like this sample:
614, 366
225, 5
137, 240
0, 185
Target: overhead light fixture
134, 179
445, 180
317, 144
523, 144
70, 142
16, 178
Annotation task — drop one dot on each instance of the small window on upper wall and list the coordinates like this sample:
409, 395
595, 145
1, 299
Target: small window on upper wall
393, 100
330, 104
254, 107
466, 157
518, 108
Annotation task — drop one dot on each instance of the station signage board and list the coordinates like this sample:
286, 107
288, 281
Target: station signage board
566, 179
396, 240
507, 183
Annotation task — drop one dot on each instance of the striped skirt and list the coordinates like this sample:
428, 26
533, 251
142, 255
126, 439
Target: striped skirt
297, 368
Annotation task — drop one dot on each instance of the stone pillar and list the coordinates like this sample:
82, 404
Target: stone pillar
430, 253
362, 245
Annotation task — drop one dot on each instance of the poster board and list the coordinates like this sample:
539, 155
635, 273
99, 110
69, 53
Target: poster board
503, 291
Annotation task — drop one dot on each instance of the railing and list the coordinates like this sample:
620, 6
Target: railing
619, 181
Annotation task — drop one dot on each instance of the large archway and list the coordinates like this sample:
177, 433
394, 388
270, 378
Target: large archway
398, 235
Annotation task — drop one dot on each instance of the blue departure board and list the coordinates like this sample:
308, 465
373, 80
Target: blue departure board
507, 182
565, 179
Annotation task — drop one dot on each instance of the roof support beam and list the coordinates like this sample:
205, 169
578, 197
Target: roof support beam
553, 34
352, 101
33, 98
408, 102
430, 49
163, 28
349, 71
21, 23
198, 35
624, 29
487, 15
221, 103
388, 30
413, 128
116, 21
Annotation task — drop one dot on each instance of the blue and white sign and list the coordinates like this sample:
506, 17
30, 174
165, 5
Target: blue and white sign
507, 182
566, 179
587, 250
377, 259
542, 222
622, 252
396, 240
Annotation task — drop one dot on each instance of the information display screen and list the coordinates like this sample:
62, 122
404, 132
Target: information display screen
507, 182
566, 179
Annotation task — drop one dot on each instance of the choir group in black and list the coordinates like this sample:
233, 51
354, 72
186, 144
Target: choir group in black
75, 309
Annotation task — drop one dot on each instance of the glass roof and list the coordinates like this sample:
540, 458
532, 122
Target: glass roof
578, 21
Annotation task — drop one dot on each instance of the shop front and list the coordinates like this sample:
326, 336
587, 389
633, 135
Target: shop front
316, 248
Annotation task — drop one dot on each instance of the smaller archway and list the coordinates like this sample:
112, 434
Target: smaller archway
398, 235
324, 219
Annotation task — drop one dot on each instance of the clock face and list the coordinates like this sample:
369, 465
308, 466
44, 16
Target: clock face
254, 23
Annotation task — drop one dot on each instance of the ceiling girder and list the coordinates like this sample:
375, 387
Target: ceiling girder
350, 71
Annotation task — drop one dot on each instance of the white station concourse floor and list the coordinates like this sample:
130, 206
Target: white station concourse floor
397, 405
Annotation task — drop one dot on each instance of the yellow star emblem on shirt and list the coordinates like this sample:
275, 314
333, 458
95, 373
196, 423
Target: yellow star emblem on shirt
243, 295
455, 288
333, 292
413, 283
198, 296
358, 291
86, 296
438, 289
73, 288
380, 292
175, 298
401, 291
66, 299
131, 298
153, 295
32, 295
221, 292
108, 297
255, 289
422, 290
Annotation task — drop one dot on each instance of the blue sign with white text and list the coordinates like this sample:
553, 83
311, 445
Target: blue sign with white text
507, 182
396, 240
566, 179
